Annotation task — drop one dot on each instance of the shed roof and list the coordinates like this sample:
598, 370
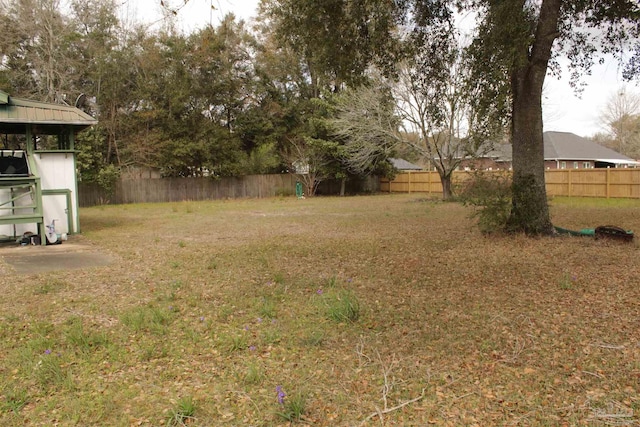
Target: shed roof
16, 113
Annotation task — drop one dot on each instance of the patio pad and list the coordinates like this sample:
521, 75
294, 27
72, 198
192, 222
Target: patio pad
41, 259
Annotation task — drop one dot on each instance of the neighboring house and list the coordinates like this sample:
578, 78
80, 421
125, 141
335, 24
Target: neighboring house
562, 150
403, 165
497, 157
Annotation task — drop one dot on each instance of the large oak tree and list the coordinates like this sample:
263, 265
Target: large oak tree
517, 44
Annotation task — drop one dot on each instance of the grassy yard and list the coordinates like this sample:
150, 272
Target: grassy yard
378, 311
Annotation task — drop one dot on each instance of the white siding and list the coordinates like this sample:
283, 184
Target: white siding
56, 171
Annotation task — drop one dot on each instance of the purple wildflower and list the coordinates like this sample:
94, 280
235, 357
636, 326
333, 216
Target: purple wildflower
259, 320
319, 291
202, 318
281, 394
252, 348
47, 351
246, 328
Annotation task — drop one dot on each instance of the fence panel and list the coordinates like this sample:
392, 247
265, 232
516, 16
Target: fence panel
158, 190
622, 183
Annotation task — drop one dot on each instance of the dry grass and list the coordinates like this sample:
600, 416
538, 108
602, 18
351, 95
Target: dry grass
217, 303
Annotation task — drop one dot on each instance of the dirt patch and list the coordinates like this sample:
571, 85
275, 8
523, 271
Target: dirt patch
72, 254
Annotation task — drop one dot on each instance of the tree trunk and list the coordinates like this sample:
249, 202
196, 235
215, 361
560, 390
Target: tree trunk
343, 186
445, 180
530, 211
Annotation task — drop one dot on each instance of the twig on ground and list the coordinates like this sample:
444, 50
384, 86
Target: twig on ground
361, 355
615, 414
609, 346
395, 408
464, 395
593, 374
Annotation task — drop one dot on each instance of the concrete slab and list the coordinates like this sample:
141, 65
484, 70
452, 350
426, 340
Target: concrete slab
41, 259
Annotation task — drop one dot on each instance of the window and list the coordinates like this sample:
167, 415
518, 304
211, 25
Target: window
575, 165
563, 165
586, 165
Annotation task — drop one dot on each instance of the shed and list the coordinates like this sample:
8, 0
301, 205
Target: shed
38, 182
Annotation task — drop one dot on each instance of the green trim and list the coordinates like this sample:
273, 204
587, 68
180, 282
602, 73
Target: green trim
63, 192
76, 200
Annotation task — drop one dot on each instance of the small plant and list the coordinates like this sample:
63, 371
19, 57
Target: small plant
313, 338
253, 375
342, 307
83, 340
271, 335
292, 408
329, 283
233, 343
278, 278
14, 400
183, 413
567, 282
267, 308
48, 372
51, 285
182, 244
148, 318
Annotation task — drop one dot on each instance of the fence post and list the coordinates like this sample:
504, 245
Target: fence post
409, 185
608, 181
570, 182
429, 182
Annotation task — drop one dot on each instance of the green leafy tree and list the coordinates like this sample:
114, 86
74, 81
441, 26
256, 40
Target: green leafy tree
335, 41
311, 50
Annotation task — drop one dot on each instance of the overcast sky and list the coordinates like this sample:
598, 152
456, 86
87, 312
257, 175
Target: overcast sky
563, 110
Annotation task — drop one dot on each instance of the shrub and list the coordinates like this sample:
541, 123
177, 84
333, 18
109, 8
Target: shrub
489, 193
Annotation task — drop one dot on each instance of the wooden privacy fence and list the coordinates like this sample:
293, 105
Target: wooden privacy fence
606, 183
158, 190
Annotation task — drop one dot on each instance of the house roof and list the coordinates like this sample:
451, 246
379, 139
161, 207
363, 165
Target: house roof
565, 146
500, 152
403, 165
569, 146
16, 113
